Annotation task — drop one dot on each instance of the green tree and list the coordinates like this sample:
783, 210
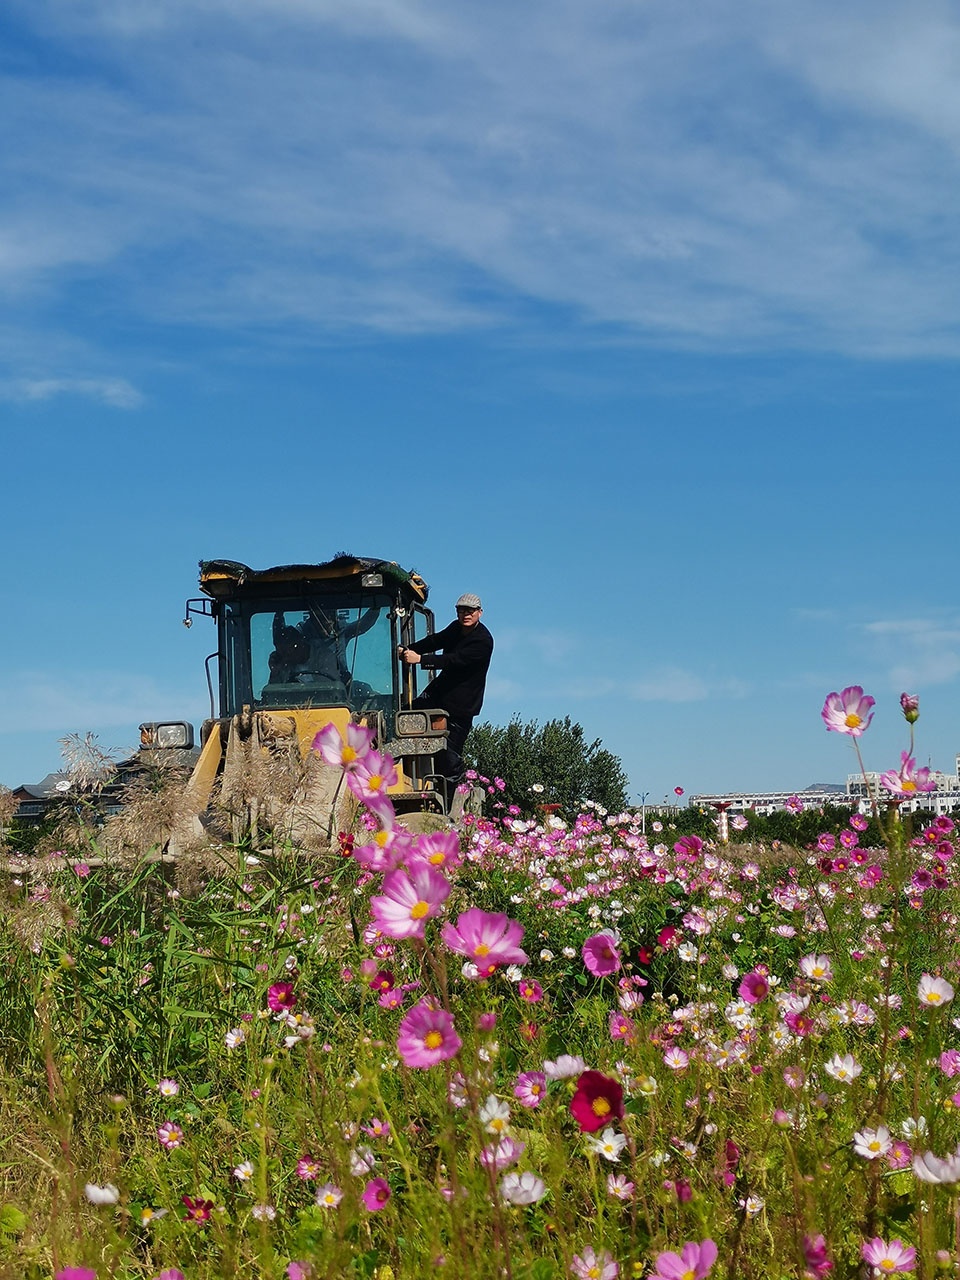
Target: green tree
548, 764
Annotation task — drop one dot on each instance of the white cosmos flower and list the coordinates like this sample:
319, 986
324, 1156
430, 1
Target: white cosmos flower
845, 1068
610, 1144
931, 1168
495, 1115
872, 1143
933, 991
565, 1068
522, 1188
243, 1172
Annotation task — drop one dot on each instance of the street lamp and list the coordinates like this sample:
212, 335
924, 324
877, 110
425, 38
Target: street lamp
643, 812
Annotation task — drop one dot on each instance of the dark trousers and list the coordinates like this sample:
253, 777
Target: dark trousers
449, 763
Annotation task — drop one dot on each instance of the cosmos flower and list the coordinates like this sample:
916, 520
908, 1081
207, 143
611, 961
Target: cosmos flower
908, 779
591, 1265
598, 1100
376, 1194
872, 1143
487, 938
344, 753
848, 711
610, 1144
101, 1195
329, 1196
845, 1068
887, 1258
933, 1169
600, 955
170, 1135
522, 1188
408, 901
934, 992
530, 1088
692, 1263
426, 1036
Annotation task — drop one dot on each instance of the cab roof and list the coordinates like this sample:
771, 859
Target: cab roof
226, 579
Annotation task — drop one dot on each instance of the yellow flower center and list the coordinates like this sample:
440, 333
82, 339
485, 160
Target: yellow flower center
852, 721
594, 1273
348, 755
600, 1107
887, 1264
436, 859
691, 1274
419, 910
906, 784
818, 972
381, 838
374, 782
432, 1040
933, 997
481, 949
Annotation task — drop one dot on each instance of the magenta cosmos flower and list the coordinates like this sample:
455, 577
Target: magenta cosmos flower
376, 1194
600, 955
427, 1036
280, 997
596, 1102
170, 1135
693, 1262
75, 1273
387, 849
488, 938
848, 711
440, 848
887, 1258
408, 901
344, 752
754, 986
908, 779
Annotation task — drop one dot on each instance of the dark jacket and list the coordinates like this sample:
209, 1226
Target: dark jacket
462, 668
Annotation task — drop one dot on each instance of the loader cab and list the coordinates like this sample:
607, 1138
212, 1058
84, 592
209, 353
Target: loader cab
313, 636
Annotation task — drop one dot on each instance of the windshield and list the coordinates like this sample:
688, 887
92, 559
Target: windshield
337, 651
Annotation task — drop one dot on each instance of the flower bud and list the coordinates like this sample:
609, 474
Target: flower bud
910, 706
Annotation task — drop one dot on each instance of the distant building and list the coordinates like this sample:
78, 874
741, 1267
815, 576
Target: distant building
767, 802
944, 799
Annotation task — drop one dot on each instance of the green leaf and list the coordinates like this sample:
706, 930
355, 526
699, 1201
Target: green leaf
12, 1219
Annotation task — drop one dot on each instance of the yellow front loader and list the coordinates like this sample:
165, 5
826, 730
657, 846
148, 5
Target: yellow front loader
300, 647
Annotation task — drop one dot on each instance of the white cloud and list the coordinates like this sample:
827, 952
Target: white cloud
35, 701
753, 176
917, 652
116, 392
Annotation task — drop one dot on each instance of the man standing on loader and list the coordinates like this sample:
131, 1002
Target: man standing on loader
462, 673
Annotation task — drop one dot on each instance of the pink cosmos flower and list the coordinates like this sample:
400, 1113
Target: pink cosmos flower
600, 955
426, 1036
487, 938
308, 1168
441, 849
82, 870
172, 1273
908, 779
299, 1271
950, 1063
387, 849
621, 1027
522, 1188
408, 901
376, 1194
816, 1257
170, 1135
75, 1273
848, 711
344, 753
858, 822
328, 1196
692, 1263
619, 1186
502, 1154
826, 842
937, 1170
371, 777
591, 1265
793, 805
900, 1155
530, 990
887, 1258
530, 1088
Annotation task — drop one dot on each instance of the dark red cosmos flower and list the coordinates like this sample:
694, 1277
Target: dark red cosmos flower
197, 1210
597, 1101
383, 980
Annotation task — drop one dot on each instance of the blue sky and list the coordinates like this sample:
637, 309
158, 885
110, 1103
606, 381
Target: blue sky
641, 320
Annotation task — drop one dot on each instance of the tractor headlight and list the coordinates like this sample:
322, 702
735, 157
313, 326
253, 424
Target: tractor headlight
411, 724
159, 736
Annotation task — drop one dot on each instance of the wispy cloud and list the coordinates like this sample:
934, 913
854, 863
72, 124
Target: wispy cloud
116, 392
755, 176
32, 701
918, 652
